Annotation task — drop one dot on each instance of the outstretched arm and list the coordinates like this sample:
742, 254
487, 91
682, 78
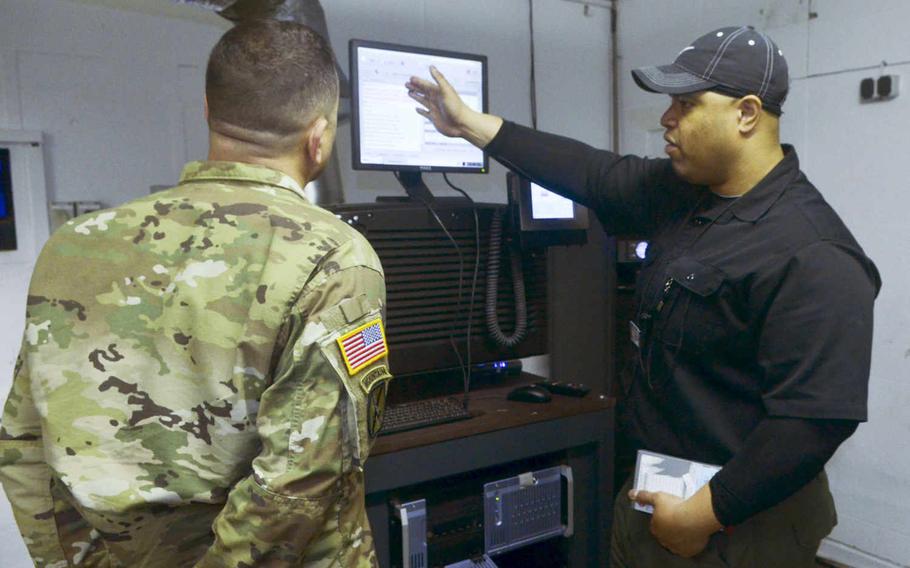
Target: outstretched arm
448, 113
630, 194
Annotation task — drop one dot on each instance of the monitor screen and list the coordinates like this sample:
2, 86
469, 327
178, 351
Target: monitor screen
7, 216
547, 205
387, 132
6, 190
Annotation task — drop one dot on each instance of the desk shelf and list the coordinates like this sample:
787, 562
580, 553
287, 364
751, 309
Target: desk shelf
577, 432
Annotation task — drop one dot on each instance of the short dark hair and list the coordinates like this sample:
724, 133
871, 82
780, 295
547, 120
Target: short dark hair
271, 77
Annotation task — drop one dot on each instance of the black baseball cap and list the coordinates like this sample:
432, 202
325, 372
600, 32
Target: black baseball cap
734, 61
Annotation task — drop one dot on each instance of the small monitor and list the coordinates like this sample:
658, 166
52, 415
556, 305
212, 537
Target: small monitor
545, 217
387, 132
546, 205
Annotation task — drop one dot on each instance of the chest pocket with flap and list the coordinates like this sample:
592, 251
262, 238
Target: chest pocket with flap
693, 317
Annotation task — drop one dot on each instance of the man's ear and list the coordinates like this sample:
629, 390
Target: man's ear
314, 136
749, 113
205, 105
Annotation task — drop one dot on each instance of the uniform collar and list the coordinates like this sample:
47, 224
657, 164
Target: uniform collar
756, 202
239, 171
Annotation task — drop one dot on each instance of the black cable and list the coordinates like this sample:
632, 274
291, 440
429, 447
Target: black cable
461, 362
533, 74
467, 383
518, 286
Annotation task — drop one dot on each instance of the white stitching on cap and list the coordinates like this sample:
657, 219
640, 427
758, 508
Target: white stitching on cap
685, 49
721, 50
663, 79
769, 67
716, 53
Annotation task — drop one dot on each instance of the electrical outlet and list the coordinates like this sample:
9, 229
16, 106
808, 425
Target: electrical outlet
885, 88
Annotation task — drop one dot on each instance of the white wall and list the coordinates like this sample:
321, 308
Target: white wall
118, 94
854, 154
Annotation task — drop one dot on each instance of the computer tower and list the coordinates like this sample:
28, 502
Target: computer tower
517, 515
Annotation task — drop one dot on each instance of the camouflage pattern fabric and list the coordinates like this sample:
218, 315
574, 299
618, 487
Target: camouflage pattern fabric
181, 397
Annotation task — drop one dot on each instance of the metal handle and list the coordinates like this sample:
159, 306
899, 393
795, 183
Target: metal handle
566, 472
405, 536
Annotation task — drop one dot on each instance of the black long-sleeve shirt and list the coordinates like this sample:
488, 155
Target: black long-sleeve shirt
755, 315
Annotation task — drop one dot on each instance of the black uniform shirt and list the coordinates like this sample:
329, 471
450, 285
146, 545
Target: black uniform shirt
752, 307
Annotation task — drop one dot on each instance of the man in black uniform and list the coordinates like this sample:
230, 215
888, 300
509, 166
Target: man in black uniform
754, 309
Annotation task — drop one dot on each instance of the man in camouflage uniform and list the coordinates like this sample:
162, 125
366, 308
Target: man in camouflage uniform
203, 369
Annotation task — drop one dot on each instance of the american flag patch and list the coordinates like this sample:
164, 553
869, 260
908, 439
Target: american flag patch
362, 346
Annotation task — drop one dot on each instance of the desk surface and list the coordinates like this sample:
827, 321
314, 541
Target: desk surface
492, 412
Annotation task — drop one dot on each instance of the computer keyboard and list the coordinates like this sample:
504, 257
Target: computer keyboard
422, 413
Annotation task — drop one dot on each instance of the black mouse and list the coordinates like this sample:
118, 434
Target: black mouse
529, 393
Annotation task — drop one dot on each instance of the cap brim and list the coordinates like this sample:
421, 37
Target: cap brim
669, 80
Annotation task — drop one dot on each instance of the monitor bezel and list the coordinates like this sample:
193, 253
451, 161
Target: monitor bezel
357, 164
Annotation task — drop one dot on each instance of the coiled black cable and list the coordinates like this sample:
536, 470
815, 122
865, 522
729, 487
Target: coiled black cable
518, 286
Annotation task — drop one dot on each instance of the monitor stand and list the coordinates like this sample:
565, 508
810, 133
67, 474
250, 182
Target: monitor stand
414, 186
416, 190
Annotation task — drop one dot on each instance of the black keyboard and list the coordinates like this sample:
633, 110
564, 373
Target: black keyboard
421, 413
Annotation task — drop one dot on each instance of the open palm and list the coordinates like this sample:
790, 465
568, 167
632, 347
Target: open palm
442, 105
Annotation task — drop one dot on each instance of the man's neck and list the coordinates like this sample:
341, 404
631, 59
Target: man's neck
751, 169
227, 149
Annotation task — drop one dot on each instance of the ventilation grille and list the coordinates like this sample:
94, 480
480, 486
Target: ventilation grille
422, 279
422, 267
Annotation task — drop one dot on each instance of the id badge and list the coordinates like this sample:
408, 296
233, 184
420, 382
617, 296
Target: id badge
635, 334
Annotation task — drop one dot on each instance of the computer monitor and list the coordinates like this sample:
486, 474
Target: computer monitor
7, 217
387, 132
6, 197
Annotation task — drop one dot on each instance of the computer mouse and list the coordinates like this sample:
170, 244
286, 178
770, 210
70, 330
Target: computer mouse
529, 393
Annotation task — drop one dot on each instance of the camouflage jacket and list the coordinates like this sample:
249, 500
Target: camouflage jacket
202, 374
